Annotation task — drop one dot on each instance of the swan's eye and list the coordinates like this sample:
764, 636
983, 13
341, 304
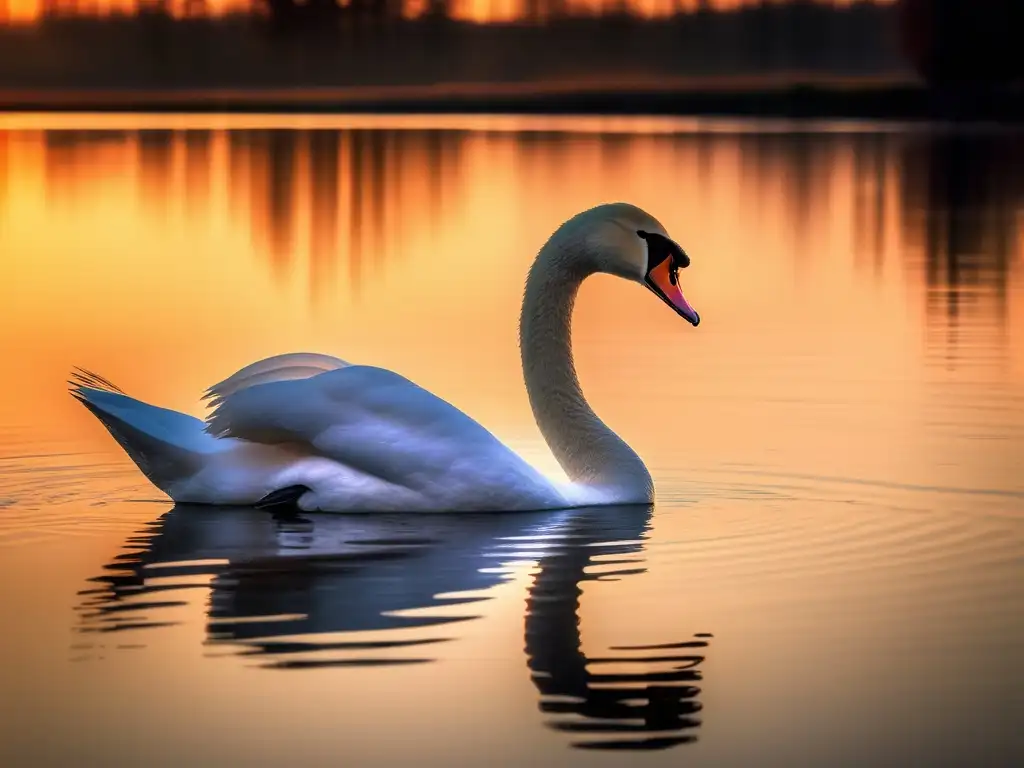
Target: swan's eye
660, 248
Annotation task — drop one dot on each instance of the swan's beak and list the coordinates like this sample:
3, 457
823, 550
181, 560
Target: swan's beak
660, 280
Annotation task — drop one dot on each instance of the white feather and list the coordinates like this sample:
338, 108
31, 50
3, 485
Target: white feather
337, 437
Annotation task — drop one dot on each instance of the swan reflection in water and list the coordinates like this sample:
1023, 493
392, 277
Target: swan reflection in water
284, 587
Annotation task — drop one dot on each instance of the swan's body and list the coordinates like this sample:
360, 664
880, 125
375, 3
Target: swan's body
335, 437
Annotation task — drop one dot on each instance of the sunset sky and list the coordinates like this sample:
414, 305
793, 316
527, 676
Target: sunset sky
28, 10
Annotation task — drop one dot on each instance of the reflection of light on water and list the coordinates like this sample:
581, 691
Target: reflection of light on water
406, 247
824, 485
608, 124
312, 196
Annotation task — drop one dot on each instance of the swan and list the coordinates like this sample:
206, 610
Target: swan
318, 433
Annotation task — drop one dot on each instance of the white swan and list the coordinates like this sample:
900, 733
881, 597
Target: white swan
317, 432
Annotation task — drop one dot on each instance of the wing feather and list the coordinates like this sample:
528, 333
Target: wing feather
381, 425
366, 417
288, 367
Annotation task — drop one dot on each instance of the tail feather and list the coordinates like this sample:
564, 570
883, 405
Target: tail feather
82, 378
166, 445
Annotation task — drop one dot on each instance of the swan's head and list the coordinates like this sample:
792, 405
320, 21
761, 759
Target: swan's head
628, 242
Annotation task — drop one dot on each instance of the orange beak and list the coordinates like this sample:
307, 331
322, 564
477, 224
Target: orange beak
663, 281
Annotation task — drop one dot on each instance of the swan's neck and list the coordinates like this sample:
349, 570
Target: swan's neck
590, 453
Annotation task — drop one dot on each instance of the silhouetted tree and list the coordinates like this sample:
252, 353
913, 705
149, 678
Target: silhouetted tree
964, 41
288, 15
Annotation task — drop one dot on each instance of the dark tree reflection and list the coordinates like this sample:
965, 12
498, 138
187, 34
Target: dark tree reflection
156, 164
197, 170
71, 160
354, 187
963, 199
5, 143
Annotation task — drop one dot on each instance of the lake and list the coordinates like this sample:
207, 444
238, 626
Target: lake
832, 574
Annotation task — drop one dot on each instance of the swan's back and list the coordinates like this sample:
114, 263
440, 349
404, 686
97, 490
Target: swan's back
379, 424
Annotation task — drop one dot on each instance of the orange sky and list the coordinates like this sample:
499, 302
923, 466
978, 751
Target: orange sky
27, 10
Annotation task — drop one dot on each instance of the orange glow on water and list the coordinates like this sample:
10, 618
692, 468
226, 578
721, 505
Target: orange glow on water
342, 230
836, 449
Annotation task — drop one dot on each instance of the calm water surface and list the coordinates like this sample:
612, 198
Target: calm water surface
832, 574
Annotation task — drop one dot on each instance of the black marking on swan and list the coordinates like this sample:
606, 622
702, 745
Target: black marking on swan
283, 498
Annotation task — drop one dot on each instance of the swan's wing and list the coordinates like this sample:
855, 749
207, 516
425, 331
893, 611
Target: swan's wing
367, 418
297, 365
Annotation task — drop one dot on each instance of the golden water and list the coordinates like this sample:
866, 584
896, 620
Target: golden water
836, 557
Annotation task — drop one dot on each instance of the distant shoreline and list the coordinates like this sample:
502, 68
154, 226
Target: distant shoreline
883, 101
